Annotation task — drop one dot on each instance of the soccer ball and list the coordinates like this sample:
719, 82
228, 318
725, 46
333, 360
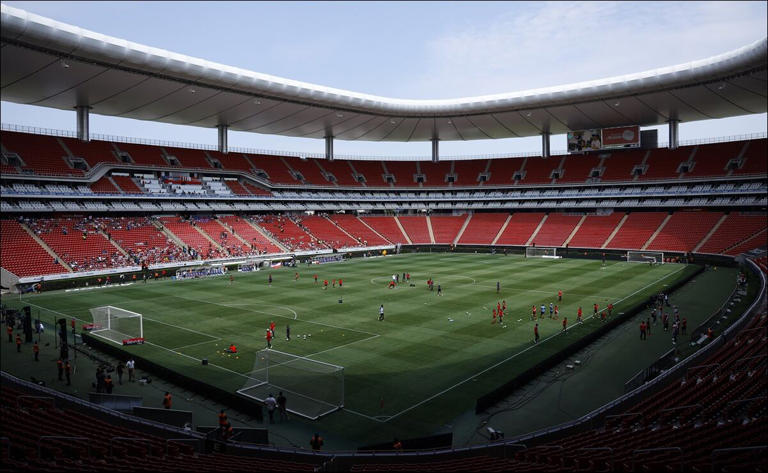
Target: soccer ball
305, 337
310, 334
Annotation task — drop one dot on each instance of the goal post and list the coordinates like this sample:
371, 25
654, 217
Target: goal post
651, 257
541, 252
313, 388
117, 325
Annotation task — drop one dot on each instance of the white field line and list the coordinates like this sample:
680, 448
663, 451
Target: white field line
276, 315
519, 353
237, 306
195, 344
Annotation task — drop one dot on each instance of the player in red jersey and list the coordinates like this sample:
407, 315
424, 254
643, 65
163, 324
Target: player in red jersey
560, 296
565, 323
315, 278
557, 312
504, 305
596, 307
610, 310
536, 333
325, 284
578, 317
340, 282
602, 315
533, 312
494, 316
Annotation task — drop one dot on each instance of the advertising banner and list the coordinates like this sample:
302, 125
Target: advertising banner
621, 137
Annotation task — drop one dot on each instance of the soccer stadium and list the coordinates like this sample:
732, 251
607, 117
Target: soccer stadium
583, 290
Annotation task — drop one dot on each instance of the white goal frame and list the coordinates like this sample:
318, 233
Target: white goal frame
541, 252
101, 328
655, 257
303, 402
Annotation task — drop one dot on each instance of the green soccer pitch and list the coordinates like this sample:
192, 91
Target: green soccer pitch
429, 359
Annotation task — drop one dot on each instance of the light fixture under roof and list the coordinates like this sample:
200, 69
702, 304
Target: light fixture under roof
392, 121
64, 64
192, 91
450, 122
339, 115
257, 102
616, 103
721, 86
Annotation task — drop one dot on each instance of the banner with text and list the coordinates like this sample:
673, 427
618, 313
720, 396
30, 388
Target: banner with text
621, 137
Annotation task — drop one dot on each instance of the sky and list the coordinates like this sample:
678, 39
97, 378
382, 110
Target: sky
414, 50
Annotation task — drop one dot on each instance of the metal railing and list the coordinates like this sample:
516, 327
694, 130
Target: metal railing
361, 157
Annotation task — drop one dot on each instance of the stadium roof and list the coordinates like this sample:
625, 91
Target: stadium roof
53, 64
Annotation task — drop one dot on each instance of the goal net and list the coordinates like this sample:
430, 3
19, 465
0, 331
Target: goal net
117, 325
313, 388
540, 252
652, 257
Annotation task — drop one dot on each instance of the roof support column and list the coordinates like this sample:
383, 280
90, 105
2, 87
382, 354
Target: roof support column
223, 135
435, 150
329, 148
545, 144
673, 133
83, 116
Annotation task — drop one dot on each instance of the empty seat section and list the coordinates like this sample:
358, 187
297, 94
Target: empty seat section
231, 161
556, 229
684, 231
435, 173
755, 241
467, 171
308, 170
328, 233
735, 228
619, 165
77, 241
94, 152
637, 229
387, 227
355, 227
127, 184
236, 187
712, 159
273, 167
403, 171
22, 255
539, 170
578, 168
287, 232
416, 228
664, 163
503, 170
104, 186
7, 169
186, 232
371, 171
255, 190
250, 234
142, 240
445, 228
595, 230
754, 158
341, 171
41, 154
520, 228
189, 158
233, 245
143, 154
483, 228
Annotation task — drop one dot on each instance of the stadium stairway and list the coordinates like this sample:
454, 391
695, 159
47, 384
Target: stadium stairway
615, 231
462, 229
400, 226
657, 231
537, 230
47, 248
430, 230
266, 235
501, 230
169, 234
710, 233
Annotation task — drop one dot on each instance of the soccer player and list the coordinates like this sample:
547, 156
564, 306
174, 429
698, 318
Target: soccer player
642, 330
610, 310
381, 312
557, 312
684, 325
533, 312
270, 279
578, 315
498, 306
602, 315
295, 276
272, 327
565, 323
231, 279
408, 277
325, 284
536, 333
560, 296
315, 278
287, 333
340, 282
268, 336
603, 258
595, 307
504, 305
551, 310
501, 317
439, 290
493, 311
498, 286
543, 311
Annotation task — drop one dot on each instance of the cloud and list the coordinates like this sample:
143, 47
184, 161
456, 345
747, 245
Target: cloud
553, 43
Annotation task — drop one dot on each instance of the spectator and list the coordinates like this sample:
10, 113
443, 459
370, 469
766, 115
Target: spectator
316, 442
271, 403
130, 364
36, 351
167, 401
68, 372
108, 384
18, 343
60, 368
281, 406
119, 369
